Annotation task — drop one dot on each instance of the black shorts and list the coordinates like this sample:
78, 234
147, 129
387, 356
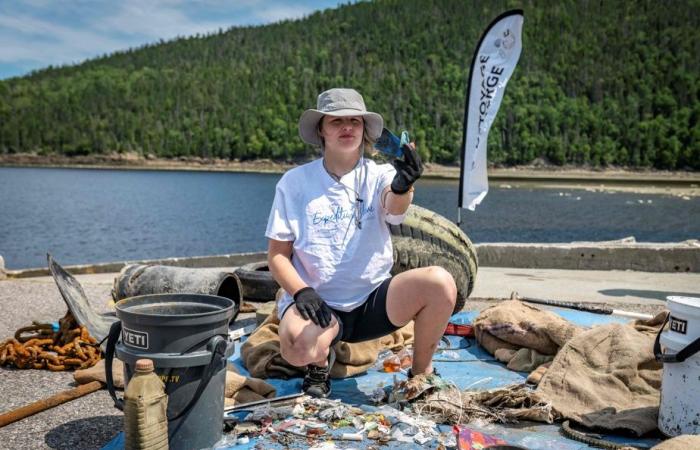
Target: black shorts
368, 321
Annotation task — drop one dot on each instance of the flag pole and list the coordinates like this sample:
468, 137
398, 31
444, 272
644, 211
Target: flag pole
483, 111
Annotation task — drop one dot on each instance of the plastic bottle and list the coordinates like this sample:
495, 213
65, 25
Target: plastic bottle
406, 358
379, 363
145, 410
392, 363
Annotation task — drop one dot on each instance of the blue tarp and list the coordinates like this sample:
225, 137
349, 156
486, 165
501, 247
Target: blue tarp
468, 367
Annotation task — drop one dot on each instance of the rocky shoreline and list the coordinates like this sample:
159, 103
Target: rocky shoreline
677, 183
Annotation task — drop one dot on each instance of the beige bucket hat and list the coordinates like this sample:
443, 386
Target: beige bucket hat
338, 102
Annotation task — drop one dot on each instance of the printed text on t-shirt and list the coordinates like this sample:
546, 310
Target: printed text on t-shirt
339, 214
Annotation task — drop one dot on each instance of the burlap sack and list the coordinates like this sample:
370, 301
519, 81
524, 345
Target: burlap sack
513, 324
240, 389
260, 354
523, 360
608, 378
536, 375
97, 373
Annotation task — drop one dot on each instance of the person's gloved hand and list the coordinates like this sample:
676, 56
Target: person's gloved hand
312, 307
407, 171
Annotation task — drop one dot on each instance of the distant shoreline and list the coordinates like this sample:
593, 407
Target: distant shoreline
682, 184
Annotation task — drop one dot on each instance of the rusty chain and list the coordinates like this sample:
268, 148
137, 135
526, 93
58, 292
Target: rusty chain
38, 347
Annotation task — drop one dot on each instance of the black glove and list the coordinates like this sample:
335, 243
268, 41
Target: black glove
407, 171
312, 307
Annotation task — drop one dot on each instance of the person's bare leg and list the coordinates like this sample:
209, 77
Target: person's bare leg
302, 342
426, 295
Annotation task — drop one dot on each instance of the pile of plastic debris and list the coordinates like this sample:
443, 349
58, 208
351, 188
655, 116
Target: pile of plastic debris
408, 411
318, 423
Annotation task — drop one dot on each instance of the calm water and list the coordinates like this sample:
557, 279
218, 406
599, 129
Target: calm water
86, 216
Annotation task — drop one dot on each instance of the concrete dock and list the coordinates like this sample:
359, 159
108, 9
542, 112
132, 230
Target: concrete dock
92, 421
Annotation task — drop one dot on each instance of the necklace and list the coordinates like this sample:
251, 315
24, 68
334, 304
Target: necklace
359, 202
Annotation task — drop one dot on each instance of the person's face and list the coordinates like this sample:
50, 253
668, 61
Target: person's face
342, 133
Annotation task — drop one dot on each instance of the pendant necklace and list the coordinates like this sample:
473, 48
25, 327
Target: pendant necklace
358, 178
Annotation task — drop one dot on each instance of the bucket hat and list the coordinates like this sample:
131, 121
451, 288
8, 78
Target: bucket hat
338, 102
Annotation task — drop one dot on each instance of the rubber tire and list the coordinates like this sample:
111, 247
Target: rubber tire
425, 238
257, 282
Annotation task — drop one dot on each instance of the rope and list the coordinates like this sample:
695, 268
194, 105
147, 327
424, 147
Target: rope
583, 437
38, 346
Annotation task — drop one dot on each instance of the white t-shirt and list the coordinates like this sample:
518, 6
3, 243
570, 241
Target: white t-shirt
342, 262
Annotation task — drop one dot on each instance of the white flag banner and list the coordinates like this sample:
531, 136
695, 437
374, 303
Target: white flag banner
495, 58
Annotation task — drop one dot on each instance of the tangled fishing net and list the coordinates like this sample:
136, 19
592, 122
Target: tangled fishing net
441, 401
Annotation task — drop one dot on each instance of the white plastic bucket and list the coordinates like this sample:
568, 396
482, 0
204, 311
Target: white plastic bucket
679, 412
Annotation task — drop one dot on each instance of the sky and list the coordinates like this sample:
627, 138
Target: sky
38, 33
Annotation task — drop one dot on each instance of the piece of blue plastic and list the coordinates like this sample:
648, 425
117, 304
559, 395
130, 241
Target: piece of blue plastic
390, 144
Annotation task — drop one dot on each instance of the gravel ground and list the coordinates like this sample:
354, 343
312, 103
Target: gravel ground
91, 421
85, 423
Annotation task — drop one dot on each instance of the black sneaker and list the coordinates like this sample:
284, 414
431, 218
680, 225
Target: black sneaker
410, 373
317, 381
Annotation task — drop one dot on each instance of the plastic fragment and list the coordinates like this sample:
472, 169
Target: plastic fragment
337, 412
325, 445
342, 423
369, 426
315, 425
448, 439
267, 414
377, 396
449, 354
351, 436
226, 441
421, 438
400, 436
314, 432
469, 438
298, 410
358, 423
246, 427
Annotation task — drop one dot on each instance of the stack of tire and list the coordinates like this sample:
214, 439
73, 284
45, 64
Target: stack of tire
425, 238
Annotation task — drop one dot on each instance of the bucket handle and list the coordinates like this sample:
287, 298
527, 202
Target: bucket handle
216, 345
112, 339
688, 351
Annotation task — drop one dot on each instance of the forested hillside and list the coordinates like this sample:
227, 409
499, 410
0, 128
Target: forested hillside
599, 83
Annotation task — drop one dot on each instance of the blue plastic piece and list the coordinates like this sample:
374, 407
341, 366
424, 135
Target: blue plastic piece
390, 144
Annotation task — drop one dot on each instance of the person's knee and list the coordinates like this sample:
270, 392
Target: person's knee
444, 285
294, 354
299, 352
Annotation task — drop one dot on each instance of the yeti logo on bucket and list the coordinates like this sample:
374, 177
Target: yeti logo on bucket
137, 339
679, 325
